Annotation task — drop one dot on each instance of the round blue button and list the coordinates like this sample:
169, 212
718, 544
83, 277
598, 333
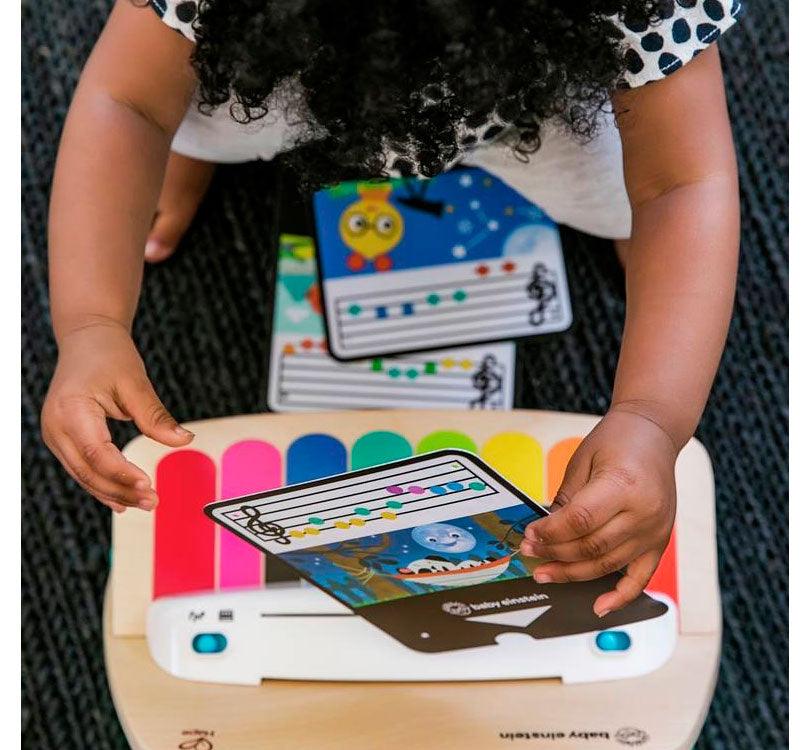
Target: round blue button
613, 640
209, 643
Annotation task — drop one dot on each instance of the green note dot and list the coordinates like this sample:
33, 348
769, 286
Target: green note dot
355, 310
394, 372
477, 486
362, 511
433, 299
412, 374
394, 504
376, 365
430, 368
460, 295
315, 521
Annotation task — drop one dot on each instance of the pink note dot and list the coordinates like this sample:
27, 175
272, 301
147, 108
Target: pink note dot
394, 490
415, 489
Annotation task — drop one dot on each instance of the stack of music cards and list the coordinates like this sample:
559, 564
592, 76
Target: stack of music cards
409, 293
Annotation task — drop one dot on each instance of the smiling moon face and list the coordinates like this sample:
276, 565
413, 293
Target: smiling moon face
443, 537
371, 226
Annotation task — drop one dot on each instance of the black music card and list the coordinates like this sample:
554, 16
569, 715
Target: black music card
425, 264
426, 549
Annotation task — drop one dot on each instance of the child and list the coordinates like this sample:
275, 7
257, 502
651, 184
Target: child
522, 89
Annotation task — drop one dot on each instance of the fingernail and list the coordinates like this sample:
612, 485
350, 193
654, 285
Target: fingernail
147, 504
602, 612
142, 484
542, 578
154, 248
526, 548
182, 431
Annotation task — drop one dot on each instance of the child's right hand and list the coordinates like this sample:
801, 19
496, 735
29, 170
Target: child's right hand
100, 375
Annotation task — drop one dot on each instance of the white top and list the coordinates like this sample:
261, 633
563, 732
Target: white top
577, 183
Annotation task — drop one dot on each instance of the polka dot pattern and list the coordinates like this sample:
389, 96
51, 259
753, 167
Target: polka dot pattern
177, 14
653, 51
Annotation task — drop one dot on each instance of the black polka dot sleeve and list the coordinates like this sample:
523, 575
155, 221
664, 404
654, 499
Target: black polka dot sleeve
178, 14
686, 28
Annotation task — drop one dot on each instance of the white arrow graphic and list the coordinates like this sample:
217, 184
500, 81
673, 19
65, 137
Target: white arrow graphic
519, 618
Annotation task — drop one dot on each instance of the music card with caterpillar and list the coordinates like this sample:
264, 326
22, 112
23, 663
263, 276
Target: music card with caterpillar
414, 264
426, 549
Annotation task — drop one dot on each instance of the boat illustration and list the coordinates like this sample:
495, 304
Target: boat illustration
466, 576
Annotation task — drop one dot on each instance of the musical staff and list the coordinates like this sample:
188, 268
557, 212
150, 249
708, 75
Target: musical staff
306, 378
466, 305
370, 502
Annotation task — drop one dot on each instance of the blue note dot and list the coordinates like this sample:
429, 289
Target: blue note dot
437, 489
407, 308
455, 486
381, 312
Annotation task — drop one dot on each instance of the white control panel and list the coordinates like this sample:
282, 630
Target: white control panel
296, 632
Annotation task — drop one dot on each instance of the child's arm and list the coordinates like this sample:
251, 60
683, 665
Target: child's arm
132, 95
618, 496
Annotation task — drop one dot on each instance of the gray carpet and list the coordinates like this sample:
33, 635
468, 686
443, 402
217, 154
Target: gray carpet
203, 330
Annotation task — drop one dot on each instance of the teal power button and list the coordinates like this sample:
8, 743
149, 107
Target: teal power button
613, 640
209, 643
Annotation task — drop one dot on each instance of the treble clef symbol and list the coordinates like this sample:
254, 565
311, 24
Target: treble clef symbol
543, 291
266, 530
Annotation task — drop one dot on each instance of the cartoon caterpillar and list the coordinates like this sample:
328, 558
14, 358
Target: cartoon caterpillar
372, 227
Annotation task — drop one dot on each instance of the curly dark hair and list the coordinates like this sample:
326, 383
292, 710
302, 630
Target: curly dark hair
411, 76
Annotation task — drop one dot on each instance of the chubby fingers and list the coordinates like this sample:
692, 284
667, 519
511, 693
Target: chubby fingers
630, 585
117, 486
104, 499
588, 510
78, 434
555, 571
139, 400
590, 547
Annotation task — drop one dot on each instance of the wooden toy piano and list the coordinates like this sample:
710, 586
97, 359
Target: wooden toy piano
197, 572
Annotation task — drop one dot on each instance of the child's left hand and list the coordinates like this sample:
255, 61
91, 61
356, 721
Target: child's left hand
615, 508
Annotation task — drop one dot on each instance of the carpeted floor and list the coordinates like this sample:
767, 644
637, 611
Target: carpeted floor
203, 331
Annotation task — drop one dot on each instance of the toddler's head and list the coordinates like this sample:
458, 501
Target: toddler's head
404, 86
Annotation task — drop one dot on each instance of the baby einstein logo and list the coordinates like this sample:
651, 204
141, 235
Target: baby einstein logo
456, 608
628, 736
631, 736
